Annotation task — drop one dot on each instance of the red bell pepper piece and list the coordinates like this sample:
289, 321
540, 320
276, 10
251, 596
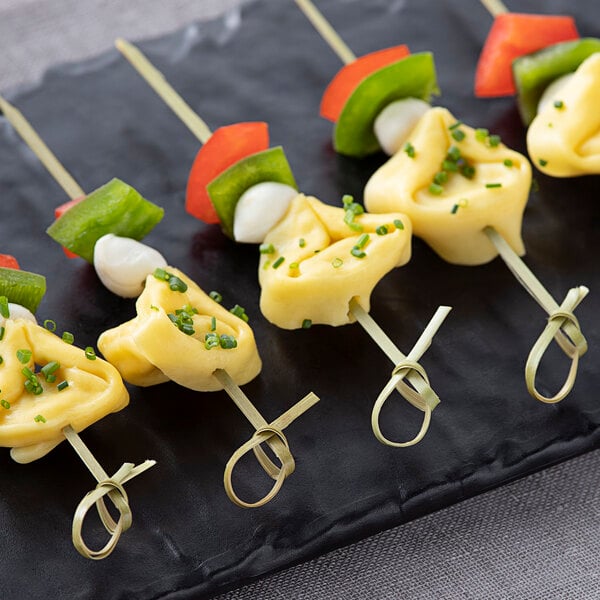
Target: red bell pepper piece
226, 146
513, 35
9, 262
348, 77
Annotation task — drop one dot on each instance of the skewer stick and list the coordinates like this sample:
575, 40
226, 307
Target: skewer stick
111, 486
562, 323
164, 89
407, 366
495, 7
271, 433
37, 145
327, 32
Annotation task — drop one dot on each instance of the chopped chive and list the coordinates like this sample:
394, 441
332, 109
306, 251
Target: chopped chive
463, 203
267, 264
508, 162
494, 141
34, 388
176, 284
49, 369
5, 404
363, 240
239, 311
294, 266
453, 153
68, 337
301, 242
347, 200
357, 252
39, 419
493, 185
306, 324
2, 330
398, 224
337, 263
455, 125
440, 177
278, 262
559, 104
409, 149
266, 249
227, 342
481, 134
4, 307
211, 341
152, 307
458, 134
468, 171
50, 325
89, 353
435, 189
62, 385
1, 360
161, 274
216, 297
24, 356
449, 165
381, 230
213, 323
543, 162
454, 209
29, 374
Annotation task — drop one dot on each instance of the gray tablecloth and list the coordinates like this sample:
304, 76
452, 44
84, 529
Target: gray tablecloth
535, 538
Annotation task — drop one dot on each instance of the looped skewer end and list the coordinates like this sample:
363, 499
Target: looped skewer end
107, 486
269, 433
423, 398
563, 327
279, 444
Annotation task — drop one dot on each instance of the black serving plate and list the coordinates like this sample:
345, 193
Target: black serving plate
188, 540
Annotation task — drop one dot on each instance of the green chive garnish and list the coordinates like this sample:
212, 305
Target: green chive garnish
90, 354
454, 209
293, 266
239, 311
398, 224
493, 185
435, 189
543, 162
227, 342
453, 153
161, 274
481, 134
357, 252
50, 325
266, 249
508, 162
278, 262
559, 104
459, 135
363, 240
211, 341
409, 149
301, 242
213, 323
39, 419
4, 307
455, 125
468, 171
267, 264
24, 356
306, 324
494, 140
440, 177
68, 337
449, 165
1, 360
337, 263
5, 404
216, 297
49, 369
176, 284
62, 385
381, 230
2, 330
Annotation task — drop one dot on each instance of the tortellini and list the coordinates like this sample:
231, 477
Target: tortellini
453, 181
316, 260
47, 384
564, 138
183, 336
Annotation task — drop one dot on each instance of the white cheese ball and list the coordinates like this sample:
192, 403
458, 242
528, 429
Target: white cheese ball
16, 311
395, 122
259, 209
122, 264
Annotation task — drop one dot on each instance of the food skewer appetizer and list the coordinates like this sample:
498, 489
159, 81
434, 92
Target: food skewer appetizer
162, 342
254, 198
50, 391
465, 193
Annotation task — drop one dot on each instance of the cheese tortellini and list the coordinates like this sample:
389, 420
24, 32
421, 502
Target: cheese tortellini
453, 181
564, 138
184, 336
316, 262
47, 384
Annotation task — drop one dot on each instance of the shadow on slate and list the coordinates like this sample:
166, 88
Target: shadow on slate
188, 540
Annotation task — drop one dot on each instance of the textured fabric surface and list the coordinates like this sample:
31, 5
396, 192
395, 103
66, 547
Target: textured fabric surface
535, 538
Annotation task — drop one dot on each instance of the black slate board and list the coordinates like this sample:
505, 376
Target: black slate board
188, 540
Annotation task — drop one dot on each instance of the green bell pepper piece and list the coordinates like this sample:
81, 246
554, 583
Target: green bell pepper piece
113, 208
413, 76
225, 189
534, 72
22, 287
